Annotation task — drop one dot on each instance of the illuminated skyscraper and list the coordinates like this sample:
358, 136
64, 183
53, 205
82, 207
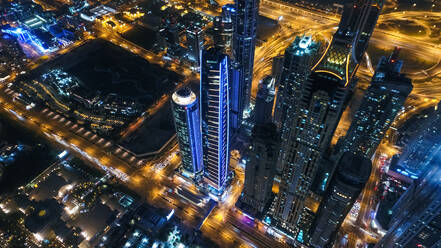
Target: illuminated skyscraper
381, 103
296, 68
188, 130
423, 145
244, 39
322, 99
348, 45
346, 184
224, 28
416, 217
195, 42
214, 88
260, 169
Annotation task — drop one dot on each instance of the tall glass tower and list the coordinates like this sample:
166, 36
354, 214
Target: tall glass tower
214, 88
188, 130
383, 100
297, 63
349, 179
416, 217
322, 99
244, 39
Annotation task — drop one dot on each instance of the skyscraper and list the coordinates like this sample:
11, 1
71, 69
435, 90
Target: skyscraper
381, 103
188, 130
244, 39
224, 28
295, 71
349, 179
348, 45
422, 146
260, 169
264, 101
416, 217
195, 42
322, 99
214, 87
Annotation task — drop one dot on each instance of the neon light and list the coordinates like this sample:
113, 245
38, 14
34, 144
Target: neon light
347, 69
170, 214
330, 72
324, 54
62, 154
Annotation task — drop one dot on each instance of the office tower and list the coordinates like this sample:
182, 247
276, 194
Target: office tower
276, 68
423, 145
260, 169
244, 38
295, 69
349, 179
195, 42
294, 72
381, 103
185, 107
416, 217
264, 101
322, 99
214, 98
224, 29
348, 45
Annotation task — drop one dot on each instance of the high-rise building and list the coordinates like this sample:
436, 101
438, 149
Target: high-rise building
263, 108
244, 39
260, 168
416, 217
348, 45
296, 68
188, 130
381, 103
214, 98
224, 28
421, 147
195, 42
322, 99
349, 179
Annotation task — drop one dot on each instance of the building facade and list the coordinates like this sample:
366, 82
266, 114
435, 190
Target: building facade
214, 88
244, 39
416, 217
260, 169
349, 179
195, 42
295, 69
421, 148
263, 108
381, 103
188, 130
322, 99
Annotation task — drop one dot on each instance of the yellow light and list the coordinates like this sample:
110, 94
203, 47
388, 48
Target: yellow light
330, 72
324, 54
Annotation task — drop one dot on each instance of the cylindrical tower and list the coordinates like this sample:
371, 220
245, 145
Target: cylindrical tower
188, 130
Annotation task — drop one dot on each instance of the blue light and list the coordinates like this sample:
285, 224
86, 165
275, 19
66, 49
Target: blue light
300, 236
267, 220
170, 214
27, 37
62, 154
